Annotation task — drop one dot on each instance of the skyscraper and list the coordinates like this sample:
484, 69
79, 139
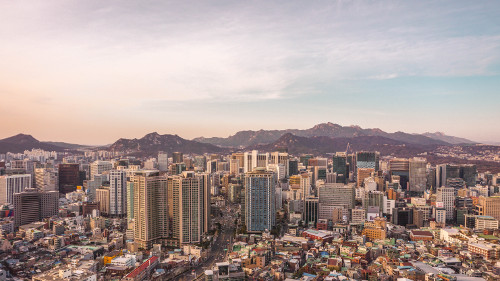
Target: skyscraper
150, 208
445, 171
368, 159
33, 205
162, 161
177, 157
340, 167
260, 212
489, 206
469, 174
187, 200
118, 193
447, 196
9, 185
69, 177
99, 167
418, 174
47, 179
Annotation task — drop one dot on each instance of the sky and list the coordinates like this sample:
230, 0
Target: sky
91, 72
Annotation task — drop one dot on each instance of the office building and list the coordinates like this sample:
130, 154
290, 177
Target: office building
445, 171
9, 185
468, 173
162, 161
177, 157
340, 167
368, 160
362, 174
69, 177
260, 212
47, 179
489, 206
446, 195
33, 205
402, 216
99, 167
102, 197
418, 175
310, 214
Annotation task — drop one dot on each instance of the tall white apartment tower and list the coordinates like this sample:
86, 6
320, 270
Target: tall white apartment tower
118, 193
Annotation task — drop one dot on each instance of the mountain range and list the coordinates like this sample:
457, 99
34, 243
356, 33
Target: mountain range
154, 142
322, 138
249, 138
21, 142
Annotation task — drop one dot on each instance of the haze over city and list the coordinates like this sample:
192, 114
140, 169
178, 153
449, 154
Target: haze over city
106, 70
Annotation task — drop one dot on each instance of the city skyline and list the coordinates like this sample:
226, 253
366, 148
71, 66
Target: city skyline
104, 71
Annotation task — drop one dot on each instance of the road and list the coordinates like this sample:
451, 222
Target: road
216, 253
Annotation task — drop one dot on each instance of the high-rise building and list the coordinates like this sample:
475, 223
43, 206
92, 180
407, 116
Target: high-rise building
162, 161
150, 208
117, 193
130, 200
368, 159
260, 212
489, 206
374, 199
446, 195
9, 185
418, 174
206, 186
186, 202
402, 216
47, 179
177, 157
336, 195
340, 167
69, 177
99, 167
310, 214
468, 173
445, 171
400, 167
362, 174
293, 167
33, 205
102, 197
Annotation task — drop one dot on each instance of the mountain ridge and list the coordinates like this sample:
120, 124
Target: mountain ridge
249, 138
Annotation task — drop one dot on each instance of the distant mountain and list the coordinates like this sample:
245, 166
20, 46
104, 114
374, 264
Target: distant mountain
21, 142
152, 143
250, 138
66, 145
449, 139
322, 145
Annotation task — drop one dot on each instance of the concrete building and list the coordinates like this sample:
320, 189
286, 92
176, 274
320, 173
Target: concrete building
162, 161
102, 197
33, 205
47, 179
260, 211
189, 195
489, 206
9, 185
150, 208
117, 193
99, 167
446, 195
418, 174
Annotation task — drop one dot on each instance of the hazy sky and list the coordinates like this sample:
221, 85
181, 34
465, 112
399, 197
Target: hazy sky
94, 71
